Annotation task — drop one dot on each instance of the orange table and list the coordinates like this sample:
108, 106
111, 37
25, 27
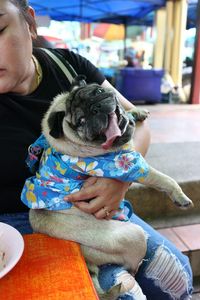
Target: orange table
49, 269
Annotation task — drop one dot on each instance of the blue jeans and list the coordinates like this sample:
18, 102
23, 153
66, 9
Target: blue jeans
164, 274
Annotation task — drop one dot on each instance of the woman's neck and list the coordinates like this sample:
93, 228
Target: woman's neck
31, 82
38, 73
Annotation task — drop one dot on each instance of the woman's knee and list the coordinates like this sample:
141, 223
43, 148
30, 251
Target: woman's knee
172, 274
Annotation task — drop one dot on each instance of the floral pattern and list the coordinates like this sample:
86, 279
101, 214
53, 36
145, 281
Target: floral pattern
59, 175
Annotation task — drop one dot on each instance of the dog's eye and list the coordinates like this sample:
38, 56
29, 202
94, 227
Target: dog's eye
80, 122
99, 91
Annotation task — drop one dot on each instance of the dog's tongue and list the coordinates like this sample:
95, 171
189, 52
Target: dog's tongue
112, 132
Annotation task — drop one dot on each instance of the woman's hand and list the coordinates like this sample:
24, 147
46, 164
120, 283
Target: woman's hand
106, 195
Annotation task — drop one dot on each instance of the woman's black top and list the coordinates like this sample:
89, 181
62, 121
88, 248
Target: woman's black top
20, 122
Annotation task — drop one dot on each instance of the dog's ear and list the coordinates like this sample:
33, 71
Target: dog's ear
55, 124
79, 81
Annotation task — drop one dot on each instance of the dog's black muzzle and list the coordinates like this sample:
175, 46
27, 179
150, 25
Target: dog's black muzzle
103, 120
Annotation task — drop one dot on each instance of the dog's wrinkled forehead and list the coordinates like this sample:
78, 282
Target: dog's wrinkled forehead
93, 98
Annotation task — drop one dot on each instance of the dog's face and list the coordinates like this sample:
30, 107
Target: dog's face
91, 114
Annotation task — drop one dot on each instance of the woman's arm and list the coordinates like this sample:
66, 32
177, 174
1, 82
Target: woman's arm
126, 104
108, 193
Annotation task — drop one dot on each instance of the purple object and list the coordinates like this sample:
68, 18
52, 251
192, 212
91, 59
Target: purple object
139, 85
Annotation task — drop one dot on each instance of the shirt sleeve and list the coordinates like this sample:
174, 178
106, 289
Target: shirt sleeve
124, 166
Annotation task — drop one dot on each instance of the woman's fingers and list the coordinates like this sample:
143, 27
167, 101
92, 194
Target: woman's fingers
87, 192
105, 213
90, 181
97, 194
90, 207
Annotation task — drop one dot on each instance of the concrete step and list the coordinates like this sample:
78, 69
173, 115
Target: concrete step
177, 128
182, 162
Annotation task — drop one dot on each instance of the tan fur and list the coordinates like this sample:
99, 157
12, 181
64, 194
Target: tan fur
71, 144
102, 241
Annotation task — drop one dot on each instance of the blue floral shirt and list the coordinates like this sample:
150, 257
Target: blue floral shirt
59, 175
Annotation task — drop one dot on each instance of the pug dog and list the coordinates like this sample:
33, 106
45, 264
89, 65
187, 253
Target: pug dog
86, 132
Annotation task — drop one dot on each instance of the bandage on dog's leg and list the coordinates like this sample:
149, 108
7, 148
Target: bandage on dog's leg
129, 285
127, 281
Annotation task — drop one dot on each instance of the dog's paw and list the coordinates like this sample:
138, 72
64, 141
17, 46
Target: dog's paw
183, 202
139, 114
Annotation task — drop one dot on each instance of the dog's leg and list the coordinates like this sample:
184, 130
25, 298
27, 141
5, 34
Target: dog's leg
111, 241
123, 283
112, 294
139, 114
167, 184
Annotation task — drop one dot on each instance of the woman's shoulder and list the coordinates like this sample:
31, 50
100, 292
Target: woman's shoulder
80, 64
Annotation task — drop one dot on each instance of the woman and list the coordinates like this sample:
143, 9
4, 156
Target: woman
29, 79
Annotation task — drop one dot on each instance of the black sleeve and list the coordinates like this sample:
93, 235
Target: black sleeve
82, 66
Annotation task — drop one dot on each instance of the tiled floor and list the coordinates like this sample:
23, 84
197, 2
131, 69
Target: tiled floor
174, 124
